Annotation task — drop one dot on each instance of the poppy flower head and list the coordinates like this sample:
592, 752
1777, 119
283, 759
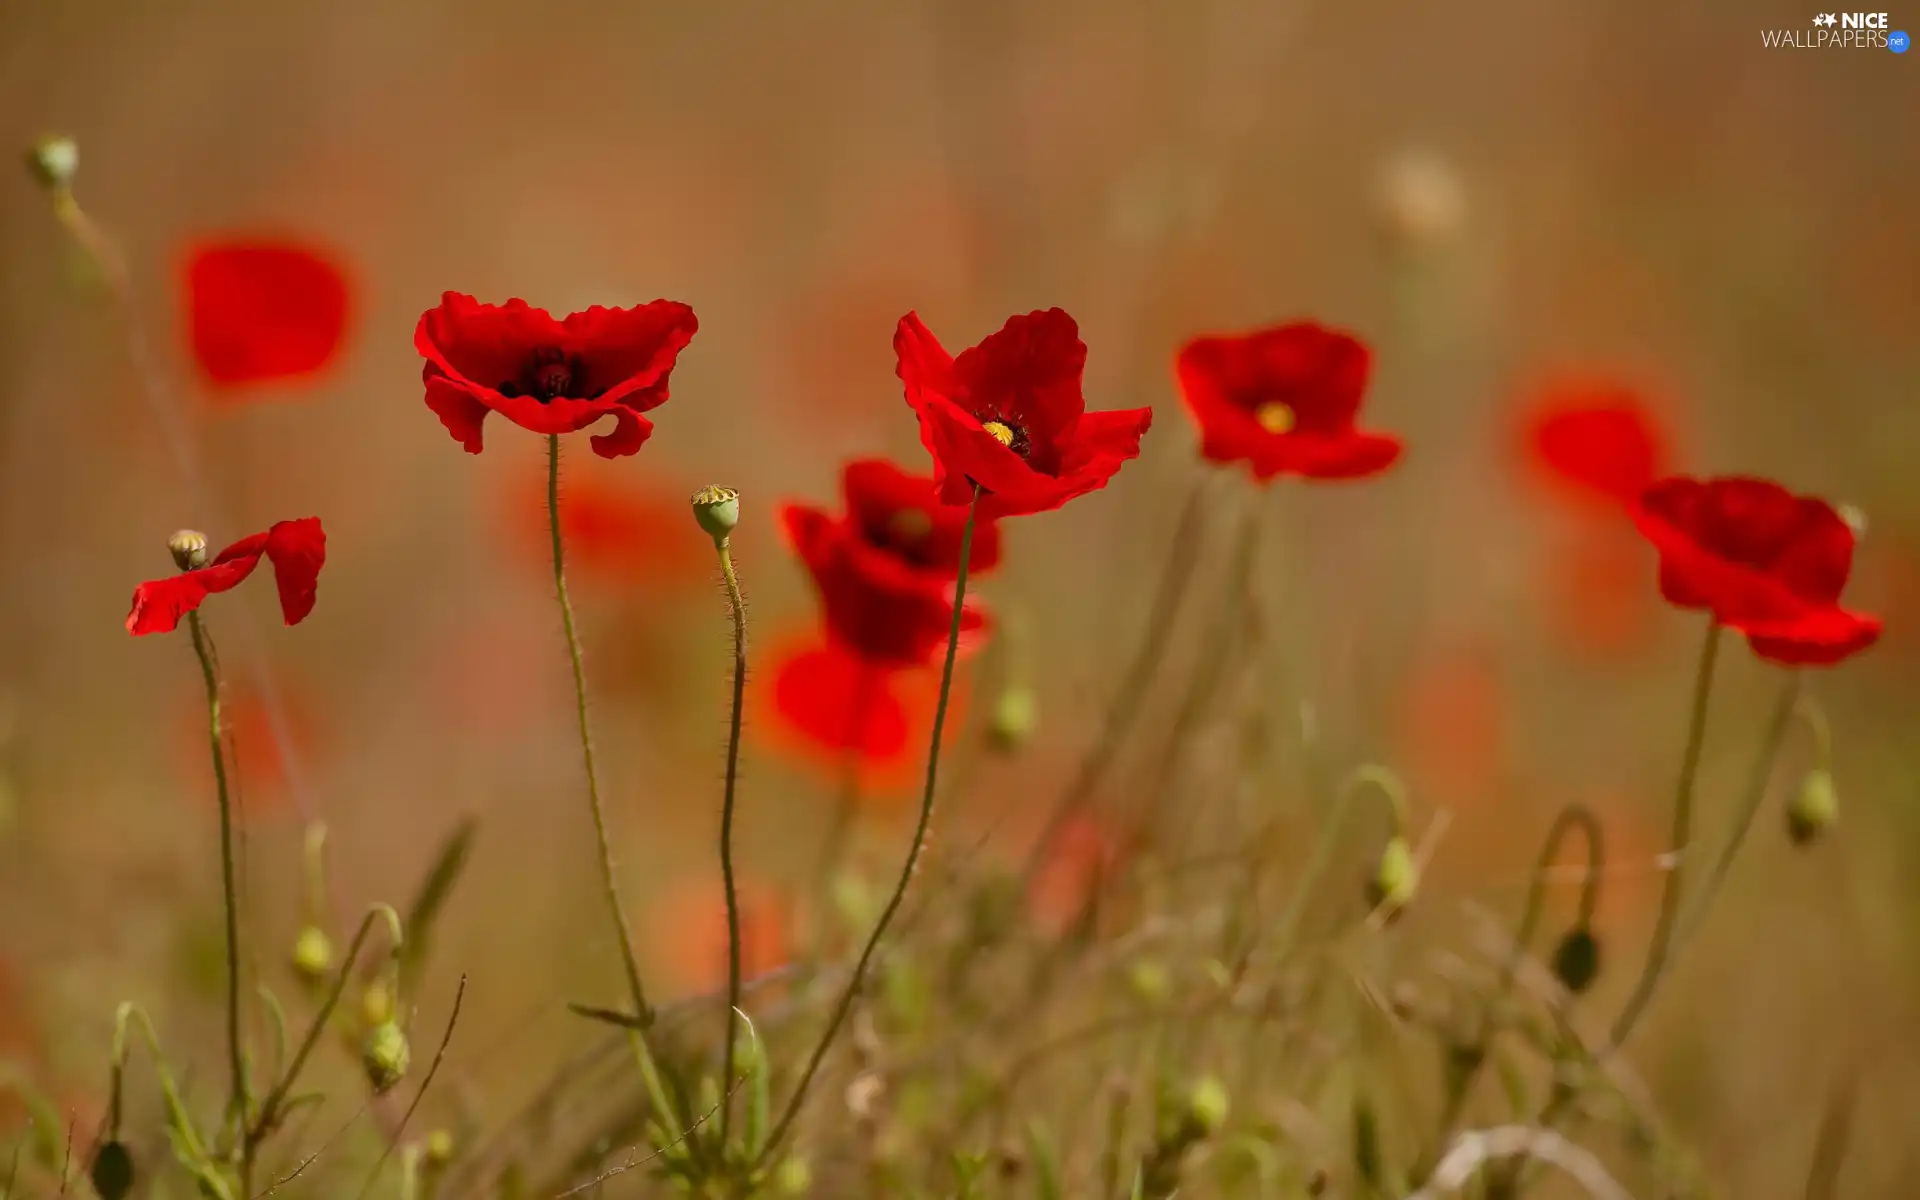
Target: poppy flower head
550, 375
1284, 400
297, 550
263, 310
899, 514
1762, 560
1009, 415
1601, 441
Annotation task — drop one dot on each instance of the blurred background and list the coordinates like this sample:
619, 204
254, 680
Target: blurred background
1505, 200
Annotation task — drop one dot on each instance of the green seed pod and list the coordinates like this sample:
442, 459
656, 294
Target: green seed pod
1395, 880
1207, 1106
312, 954
1576, 961
1016, 714
189, 549
717, 509
439, 1148
112, 1172
385, 1056
1815, 807
793, 1177
376, 1004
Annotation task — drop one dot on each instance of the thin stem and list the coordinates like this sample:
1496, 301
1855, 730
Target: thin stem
738, 608
855, 980
1657, 955
1146, 664
636, 992
237, 1100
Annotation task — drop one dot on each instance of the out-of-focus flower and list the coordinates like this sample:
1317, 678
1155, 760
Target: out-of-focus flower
1453, 725
1284, 400
1009, 415
550, 375
1081, 855
263, 310
1762, 561
688, 931
620, 529
1598, 441
1420, 198
1596, 594
255, 759
297, 549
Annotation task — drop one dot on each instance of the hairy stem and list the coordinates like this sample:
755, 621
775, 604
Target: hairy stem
855, 980
237, 1100
737, 606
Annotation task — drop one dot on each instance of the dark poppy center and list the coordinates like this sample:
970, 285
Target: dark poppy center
549, 375
1010, 435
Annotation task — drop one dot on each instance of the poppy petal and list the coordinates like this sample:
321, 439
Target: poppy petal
297, 549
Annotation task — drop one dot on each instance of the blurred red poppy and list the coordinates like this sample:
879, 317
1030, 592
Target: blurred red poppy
1761, 560
1453, 725
1596, 589
1284, 400
255, 757
263, 310
688, 927
1079, 856
297, 549
1598, 441
550, 376
619, 529
1009, 415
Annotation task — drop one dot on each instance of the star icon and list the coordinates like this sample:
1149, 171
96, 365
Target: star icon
1826, 19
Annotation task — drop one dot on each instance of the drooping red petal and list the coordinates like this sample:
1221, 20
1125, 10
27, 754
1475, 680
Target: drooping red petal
297, 549
261, 310
159, 604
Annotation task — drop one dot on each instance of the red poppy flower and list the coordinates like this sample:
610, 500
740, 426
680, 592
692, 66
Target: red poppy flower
1009, 415
618, 529
547, 375
1283, 400
886, 571
1601, 441
833, 711
1762, 560
297, 550
1081, 855
262, 310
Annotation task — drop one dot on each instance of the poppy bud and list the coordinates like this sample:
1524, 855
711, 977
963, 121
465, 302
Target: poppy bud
1395, 880
385, 1056
1207, 1106
1576, 961
793, 1177
189, 549
718, 511
1815, 807
1015, 716
53, 161
112, 1172
312, 954
376, 1004
439, 1148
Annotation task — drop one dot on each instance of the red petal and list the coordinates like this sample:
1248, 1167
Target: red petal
297, 549
483, 344
263, 310
881, 495
637, 346
1028, 372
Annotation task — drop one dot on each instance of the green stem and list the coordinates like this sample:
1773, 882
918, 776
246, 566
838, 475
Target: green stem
738, 608
237, 1100
855, 980
622, 932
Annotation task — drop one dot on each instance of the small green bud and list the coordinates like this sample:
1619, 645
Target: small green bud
312, 954
376, 1004
112, 1172
1016, 714
439, 1148
1815, 807
718, 511
54, 160
1150, 981
189, 549
793, 1177
1395, 880
1208, 1105
1576, 961
386, 1057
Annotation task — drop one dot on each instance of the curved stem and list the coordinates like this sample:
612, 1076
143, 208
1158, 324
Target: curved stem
237, 1099
854, 981
737, 606
1146, 664
609, 880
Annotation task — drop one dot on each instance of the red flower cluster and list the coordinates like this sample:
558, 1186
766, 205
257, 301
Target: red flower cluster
550, 376
1761, 560
297, 550
1284, 400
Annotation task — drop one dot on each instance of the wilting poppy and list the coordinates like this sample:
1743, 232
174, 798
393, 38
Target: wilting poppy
1009, 415
1284, 401
886, 570
1761, 560
263, 310
619, 529
689, 929
1598, 441
844, 716
547, 375
297, 549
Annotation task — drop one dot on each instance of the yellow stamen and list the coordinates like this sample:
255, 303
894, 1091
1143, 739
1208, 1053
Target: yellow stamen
1274, 417
1001, 433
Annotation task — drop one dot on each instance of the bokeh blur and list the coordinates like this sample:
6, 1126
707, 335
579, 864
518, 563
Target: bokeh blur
1505, 200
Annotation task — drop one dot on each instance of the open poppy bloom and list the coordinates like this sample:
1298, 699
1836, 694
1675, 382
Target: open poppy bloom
1009, 415
886, 570
1760, 559
297, 550
264, 310
550, 376
1284, 401
1600, 441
